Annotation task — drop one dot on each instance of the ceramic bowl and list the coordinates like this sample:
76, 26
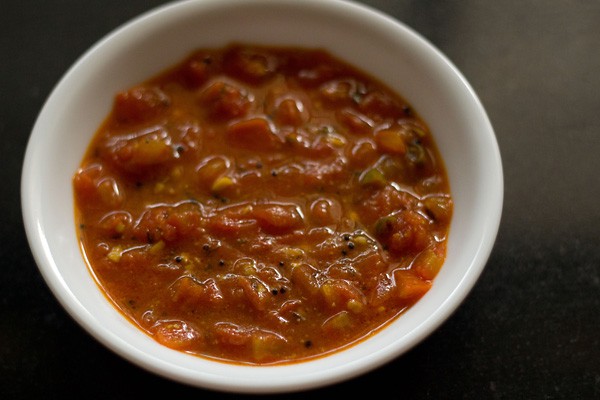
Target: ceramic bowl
372, 41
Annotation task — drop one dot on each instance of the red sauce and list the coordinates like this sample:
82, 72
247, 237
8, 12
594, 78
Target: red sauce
262, 205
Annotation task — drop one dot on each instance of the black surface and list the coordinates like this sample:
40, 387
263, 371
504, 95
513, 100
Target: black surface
530, 328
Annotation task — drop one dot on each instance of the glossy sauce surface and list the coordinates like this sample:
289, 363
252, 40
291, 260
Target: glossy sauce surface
262, 205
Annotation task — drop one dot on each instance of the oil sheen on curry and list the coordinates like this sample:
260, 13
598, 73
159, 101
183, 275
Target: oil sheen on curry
262, 205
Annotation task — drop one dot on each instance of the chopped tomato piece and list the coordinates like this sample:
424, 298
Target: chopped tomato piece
325, 211
405, 231
363, 154
140, 104
341, 295
94, 189
290, 112
168, 223
355, 122
116, 224
232, 335
198, 69
428, 263
256, 292
250, 64
409, 286
338, 91
233, 221
278, 218
439, 207
175, 334
190, 292
253, 134
390, 141
224, 101
379, 105
304, 276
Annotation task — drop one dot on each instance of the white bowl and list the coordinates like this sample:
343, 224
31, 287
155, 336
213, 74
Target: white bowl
362, 36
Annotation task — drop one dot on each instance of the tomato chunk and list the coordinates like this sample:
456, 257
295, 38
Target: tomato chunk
190, 292
404, 231
224, 100
250, 64
138, 153
409, 286
168, 223
278, 218
95, 189
140, 104
175, 334
253, 134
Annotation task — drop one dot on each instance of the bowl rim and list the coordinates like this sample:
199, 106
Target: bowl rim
253, 383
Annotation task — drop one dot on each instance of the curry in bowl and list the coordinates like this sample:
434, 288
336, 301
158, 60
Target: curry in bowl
262, 205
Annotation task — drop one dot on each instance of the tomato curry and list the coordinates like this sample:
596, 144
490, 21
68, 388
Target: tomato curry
262, 205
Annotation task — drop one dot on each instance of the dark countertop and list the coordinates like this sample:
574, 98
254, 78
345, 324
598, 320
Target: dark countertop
530, 329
